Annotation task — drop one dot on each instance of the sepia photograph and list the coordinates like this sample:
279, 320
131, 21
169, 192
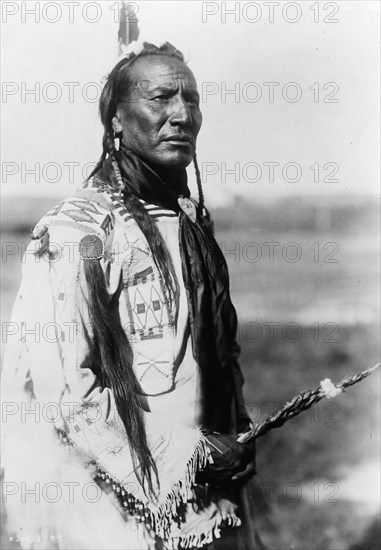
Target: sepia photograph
190, 275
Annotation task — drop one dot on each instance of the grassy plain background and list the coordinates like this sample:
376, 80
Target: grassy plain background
317, 486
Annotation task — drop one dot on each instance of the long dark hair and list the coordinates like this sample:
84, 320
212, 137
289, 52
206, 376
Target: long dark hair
111, 345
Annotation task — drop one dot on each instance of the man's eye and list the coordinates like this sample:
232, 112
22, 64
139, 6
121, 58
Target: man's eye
193, 102
161, 97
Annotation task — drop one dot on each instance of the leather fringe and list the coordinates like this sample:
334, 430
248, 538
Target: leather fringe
159, 521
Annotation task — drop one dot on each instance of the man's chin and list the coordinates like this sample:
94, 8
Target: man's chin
174, 161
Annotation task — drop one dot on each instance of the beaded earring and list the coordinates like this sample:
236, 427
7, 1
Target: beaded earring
116, 141
115, 165
119, 178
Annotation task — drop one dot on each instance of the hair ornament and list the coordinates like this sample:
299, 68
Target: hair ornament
91, 247
134, 48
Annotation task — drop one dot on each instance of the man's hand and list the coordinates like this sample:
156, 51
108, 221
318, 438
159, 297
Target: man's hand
232, 460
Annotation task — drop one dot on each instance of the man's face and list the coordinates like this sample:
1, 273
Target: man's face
161, 118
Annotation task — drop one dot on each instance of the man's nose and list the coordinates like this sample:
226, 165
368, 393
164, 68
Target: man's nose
180, 112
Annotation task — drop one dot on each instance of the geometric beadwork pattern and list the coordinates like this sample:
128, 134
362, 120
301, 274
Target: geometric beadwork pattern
145, 363
154, 371
82, 211
146, 305
143, 304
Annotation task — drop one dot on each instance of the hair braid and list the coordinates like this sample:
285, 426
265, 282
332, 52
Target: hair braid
112, 361
111, 345
199, 184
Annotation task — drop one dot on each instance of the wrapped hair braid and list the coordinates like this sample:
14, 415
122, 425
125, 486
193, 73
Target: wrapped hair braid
206, 219
199, 185
154, 238
113, 358
110, 341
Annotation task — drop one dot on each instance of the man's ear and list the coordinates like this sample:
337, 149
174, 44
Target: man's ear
117, 124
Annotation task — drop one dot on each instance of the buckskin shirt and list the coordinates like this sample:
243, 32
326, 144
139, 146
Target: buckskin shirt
51, 387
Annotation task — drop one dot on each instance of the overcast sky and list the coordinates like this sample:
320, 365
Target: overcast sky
321, 124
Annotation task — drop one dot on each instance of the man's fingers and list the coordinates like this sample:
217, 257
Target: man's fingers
246, 472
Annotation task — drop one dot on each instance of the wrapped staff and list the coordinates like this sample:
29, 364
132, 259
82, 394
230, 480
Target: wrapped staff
303, 402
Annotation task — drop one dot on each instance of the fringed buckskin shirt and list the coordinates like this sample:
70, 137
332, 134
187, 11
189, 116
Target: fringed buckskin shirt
52, 388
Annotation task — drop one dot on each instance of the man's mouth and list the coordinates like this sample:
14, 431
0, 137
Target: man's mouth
179, 139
